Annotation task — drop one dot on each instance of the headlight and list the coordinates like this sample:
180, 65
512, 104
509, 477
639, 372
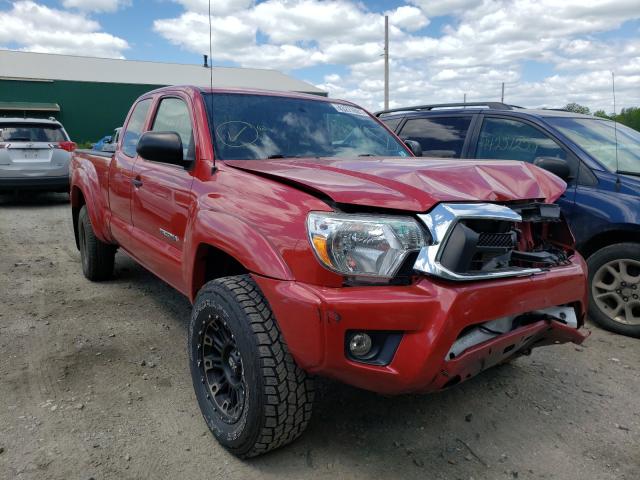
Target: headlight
363, 244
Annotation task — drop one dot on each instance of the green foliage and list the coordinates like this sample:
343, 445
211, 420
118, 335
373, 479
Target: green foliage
577, 108
630, 117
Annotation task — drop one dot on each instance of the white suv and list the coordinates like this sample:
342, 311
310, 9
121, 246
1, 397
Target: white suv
34, 154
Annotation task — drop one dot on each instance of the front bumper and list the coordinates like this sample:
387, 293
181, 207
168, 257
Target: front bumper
431, 314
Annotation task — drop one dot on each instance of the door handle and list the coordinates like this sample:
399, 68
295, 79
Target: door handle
137, 182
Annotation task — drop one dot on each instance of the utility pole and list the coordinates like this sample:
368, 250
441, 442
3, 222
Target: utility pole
386, 62
502, 96
465, 99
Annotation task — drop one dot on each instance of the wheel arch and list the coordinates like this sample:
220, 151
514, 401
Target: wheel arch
618, 234
211, 263
223, 245
77, 201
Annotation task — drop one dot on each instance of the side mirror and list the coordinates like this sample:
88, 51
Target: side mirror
165, 147
557, 166
414, 146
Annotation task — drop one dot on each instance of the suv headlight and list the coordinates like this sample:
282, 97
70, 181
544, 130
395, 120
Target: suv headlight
363, 244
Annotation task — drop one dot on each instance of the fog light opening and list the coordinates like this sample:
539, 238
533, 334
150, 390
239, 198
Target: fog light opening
360, 344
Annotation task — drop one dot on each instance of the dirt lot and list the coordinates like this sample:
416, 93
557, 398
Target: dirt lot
94, 383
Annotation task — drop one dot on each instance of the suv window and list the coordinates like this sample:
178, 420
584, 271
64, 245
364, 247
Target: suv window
31, 132
392, 123
173, 116
514, 140
439, 136
134, 128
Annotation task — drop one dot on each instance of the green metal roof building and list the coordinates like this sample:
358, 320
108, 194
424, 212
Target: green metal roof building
91, 96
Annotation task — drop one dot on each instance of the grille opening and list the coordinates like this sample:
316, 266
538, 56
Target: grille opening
486, 245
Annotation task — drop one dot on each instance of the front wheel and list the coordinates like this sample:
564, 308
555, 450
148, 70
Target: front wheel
253, 396
614, 280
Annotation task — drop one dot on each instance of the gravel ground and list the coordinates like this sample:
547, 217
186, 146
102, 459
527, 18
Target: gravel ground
94, 383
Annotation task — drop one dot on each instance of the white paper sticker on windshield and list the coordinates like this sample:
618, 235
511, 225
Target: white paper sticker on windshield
349, 109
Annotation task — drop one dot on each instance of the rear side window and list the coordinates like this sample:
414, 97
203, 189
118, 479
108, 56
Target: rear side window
514, 140
31, 132
439, 136
392, 123
173, 116
134, 128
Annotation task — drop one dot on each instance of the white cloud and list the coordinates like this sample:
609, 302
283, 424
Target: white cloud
38, 28
96, 5
191, 30
436, 8
408, 18
547, 52
486, 43
218, 7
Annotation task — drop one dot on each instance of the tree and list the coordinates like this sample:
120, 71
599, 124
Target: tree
601, 114
577, 108
630, 117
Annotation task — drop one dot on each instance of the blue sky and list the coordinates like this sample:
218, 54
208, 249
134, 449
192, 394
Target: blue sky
548, 53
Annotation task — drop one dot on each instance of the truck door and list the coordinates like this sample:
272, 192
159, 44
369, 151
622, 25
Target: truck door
161, 196
121, 173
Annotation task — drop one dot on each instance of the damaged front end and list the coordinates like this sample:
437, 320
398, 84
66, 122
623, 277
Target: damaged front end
482, 241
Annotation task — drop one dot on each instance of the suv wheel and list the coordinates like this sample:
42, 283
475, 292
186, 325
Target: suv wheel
614, 279
97, 257
253, 396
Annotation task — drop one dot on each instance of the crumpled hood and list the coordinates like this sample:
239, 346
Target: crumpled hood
412, 184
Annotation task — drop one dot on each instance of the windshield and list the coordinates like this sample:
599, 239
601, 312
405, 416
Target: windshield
598, 139
26, 132
249, 127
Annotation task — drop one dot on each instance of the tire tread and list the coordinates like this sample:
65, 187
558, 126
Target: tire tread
101, 256
288, 392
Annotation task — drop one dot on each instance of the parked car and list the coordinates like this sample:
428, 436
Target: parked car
34, 154
310, 242
599, 160
100, 143
110, 146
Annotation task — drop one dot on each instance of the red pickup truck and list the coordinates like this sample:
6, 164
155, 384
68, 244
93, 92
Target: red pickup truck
311, 241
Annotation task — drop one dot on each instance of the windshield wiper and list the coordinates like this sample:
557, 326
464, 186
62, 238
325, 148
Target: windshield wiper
625, 172
366, 155
282, 156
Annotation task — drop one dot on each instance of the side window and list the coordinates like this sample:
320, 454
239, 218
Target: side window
439, 136
134, 128
173, 116
391, 123
514, 140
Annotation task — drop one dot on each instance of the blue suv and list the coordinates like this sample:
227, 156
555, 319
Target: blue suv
599, 160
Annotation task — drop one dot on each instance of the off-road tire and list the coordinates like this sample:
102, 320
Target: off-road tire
620, 251
97, 257
278, 395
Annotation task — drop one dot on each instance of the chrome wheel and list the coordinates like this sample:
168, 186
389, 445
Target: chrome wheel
616, 291
222, 371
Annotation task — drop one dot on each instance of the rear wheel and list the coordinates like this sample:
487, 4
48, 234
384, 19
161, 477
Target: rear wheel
614, 279
97, 257
253, 396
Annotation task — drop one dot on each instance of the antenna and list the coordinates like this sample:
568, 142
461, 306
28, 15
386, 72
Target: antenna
615, 122
214, 168
386, 62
